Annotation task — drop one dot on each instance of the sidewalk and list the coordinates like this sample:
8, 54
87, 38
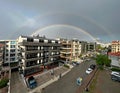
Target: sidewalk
46, 78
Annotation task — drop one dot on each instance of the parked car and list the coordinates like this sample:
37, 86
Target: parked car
77, 63
32, 82
92, 66
88, 71
79, 81
115, 76
74, 64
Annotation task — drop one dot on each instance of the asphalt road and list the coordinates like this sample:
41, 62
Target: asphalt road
67, 84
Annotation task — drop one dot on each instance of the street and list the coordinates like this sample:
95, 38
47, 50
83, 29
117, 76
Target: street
67, 84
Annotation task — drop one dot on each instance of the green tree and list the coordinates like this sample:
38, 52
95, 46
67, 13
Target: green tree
3, 83
103, 60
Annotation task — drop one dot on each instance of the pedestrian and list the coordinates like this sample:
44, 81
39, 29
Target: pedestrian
86, 89
60, 75
52, 72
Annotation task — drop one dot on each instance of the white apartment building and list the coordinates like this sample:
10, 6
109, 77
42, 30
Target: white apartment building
10, 53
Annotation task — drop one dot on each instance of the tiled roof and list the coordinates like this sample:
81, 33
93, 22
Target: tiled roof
114, 54
115, 41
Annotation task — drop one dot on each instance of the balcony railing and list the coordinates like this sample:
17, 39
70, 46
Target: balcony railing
39, 44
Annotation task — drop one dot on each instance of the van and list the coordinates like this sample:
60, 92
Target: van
32, 82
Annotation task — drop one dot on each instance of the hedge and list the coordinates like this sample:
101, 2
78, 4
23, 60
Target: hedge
3, 83
65, 65
115, 69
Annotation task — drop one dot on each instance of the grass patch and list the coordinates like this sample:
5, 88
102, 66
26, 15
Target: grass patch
93, 83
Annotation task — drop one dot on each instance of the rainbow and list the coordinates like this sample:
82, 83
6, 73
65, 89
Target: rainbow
64, 25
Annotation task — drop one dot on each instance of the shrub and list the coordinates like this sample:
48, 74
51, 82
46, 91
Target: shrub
3, 83
65, 65
115, 69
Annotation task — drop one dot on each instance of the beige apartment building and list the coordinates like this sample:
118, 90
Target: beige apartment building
115, 46
70, 50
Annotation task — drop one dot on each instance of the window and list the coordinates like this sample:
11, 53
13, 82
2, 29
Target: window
40, 40
7, 50
12, 55
6, 54
49, 41
6, 59
33, 55
12, 59
29, 48
56, 41
6, 45
29, 39
12, 46
13, 42
12, 50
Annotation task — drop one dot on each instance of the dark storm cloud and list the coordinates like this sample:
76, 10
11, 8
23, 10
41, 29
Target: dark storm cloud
98, 17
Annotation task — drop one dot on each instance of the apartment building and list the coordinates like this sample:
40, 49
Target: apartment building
10, 53
66, 50
37, 54
114, 55
83, 47
1, 54
70, 50
76, 49
115, 45
91, 46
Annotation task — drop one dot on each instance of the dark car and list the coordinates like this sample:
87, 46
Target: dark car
32, 82
115, 76
92, 66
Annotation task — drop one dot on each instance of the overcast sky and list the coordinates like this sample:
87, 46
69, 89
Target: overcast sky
82, 19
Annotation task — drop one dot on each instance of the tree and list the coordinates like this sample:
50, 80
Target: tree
3, 83
103, 60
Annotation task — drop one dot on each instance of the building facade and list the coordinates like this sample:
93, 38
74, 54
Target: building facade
114, 55
70, 50
37, 53
10, 53
115, 46
91, 46
66, 50
83, 47
76, 50
1, 54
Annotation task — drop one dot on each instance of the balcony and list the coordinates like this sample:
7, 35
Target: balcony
38, 44
34, 51
38, 65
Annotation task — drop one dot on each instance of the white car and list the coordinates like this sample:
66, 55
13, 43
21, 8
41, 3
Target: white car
115, 73
88, 71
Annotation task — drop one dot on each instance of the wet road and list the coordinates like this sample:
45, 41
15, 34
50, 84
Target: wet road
67, 84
